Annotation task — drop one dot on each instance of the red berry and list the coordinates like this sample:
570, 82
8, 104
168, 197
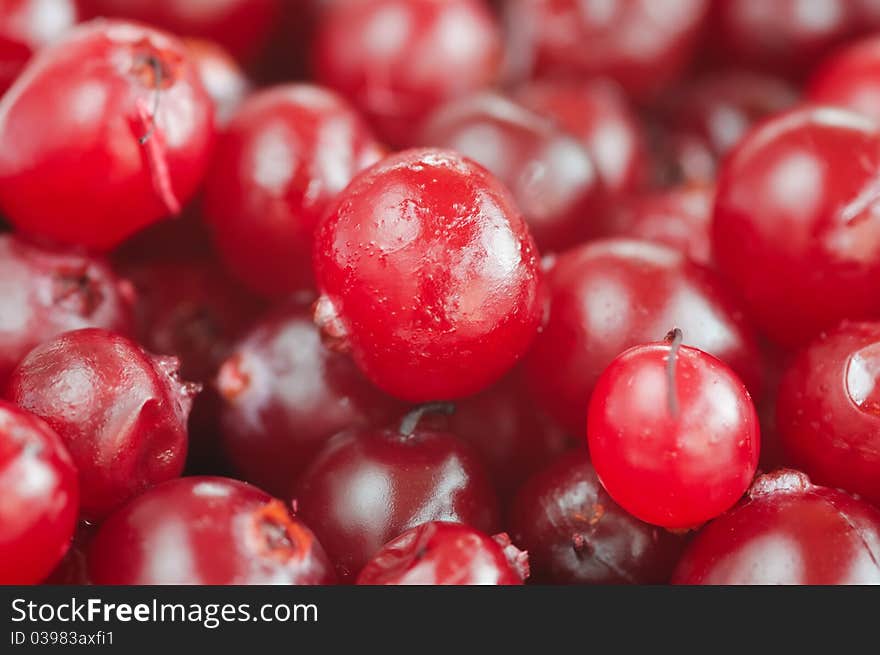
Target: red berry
828, 411
429, 276
284, 157
73, 568
206, 531
104, 133
398, 59
120, 411
439, 553
366, 487
788, 532
25, 27
575, 534
284, 394
221, 76
551, 175
39, 497
796, 226
673, 434
44, 292
613, 294
850, 78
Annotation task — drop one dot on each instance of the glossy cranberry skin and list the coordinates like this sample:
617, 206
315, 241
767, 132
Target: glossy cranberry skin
398, 59
551, 174
121, 412
429, 276
284, 157
828, 414
795, 225
222, 78
44, 292
596, 112
25, 27
572, 38
284, 394
40, 497
441, 553
849, 79
674, 443
575, 533
366, 487
226, 533
71, 128
787, 532
612, 294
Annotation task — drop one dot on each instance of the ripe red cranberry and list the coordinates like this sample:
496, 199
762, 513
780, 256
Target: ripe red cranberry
441, 553
612, 294
120, 411
596, 112
673, 434
206, 531
642, 44
576, 534
240, 26
850, 78
221, 76
284, 157
284, 394
551, 174
44, 292
40, 497
368, 486
796, 227
828, 411
25, 27
104, 133
429, 276
73, 568
787, 531
398, 59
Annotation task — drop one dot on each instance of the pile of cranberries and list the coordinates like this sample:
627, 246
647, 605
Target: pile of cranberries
439, 292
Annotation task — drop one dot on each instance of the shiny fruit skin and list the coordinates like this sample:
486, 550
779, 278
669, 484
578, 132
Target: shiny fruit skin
428, 276
71, 128
226, 533
223, 79
282, 160
39, 497
795, 225
848, 78
787, 532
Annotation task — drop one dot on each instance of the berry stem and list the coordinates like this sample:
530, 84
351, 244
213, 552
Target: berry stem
153, 63
674, 338
411, 421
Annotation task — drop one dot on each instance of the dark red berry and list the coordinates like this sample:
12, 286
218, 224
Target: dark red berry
221, 76
39, 497
850, 78
121, 412
73, 569
429, 276
206, 531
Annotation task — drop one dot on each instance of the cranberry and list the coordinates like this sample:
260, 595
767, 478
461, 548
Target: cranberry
284, 157
73, 568
849, 79
575, 534
284, 394
440, 553
552, 176
613, 294
828, 412
788, 531
206, 531
597, 112
44, 292
221, 76
368, 486
120, 411
397, 59
795, 223
25, 27
673, 434
113, 116
429, 276
240, 26
642, 44
40, 497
